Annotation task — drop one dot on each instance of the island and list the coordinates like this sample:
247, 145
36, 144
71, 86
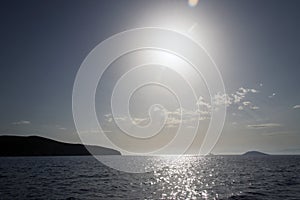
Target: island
40, 146
254, 153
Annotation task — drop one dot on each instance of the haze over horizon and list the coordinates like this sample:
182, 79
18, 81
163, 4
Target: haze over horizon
257, 55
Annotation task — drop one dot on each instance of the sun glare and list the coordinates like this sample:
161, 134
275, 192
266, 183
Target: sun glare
193, 3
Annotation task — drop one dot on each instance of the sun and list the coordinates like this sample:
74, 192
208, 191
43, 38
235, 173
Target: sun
193, 3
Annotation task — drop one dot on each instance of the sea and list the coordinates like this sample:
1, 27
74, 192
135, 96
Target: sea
190, 177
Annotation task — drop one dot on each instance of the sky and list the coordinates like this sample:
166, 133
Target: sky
254, 43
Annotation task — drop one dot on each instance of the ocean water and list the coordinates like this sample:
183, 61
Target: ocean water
219, 177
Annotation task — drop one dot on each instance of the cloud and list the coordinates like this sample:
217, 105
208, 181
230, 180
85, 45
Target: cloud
203, 112
121, 119
22, 122
249, 105
174, 118
254, 107
60, 127
254, 90
279, 133
202, 103
222, 99
296, 106
261, 126
107, 115
271, 96
236, 98
246, 103
140, 121
243, 91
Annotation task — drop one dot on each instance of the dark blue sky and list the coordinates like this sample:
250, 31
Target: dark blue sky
255, 44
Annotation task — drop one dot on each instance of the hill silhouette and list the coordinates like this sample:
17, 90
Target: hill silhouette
39, 146
254, 153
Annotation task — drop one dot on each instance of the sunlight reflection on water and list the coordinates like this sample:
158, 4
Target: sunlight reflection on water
180, 180
190, 177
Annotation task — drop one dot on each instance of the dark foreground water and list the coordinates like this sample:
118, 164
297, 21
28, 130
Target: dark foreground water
228, 177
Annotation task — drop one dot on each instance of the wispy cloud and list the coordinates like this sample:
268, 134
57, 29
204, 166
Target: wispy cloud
187, 116
273, 95
110, 118
279, 133
204, 111
296, 106
174, 118
246, 103
267, 125
254, 107
60, 127
22, 122
236, 98
249, 105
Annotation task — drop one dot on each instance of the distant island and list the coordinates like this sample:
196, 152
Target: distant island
254, 153
39, 146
